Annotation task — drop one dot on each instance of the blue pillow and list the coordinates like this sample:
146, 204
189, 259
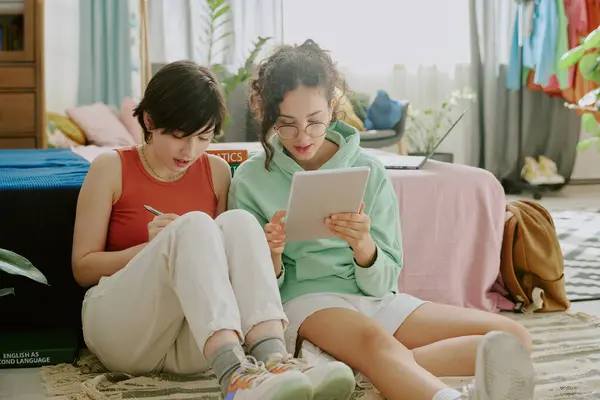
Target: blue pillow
384, 113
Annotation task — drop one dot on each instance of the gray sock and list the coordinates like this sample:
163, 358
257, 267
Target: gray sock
266, 347
225, 361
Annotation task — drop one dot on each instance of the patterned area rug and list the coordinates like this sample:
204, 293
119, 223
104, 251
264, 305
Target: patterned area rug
566, 355
579, 235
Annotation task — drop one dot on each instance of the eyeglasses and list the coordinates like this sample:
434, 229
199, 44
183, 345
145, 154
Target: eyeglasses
314, 130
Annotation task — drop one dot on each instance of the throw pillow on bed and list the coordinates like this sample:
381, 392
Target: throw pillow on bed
100, 125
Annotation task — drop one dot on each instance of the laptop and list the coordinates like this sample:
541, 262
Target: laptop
415, 162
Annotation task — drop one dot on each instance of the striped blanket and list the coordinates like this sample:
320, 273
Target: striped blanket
566, 355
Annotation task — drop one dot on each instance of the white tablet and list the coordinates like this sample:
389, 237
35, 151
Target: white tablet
316, 195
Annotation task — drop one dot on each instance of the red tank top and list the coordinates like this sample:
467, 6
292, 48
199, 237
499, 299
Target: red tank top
128, 225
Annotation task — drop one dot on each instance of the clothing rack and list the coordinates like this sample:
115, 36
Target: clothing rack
517, 185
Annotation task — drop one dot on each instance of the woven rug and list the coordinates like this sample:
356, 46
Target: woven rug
566, 355
579, 235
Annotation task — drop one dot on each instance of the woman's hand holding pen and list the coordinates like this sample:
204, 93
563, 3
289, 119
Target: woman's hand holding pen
159, 222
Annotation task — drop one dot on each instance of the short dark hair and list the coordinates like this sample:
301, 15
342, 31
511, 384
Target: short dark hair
284, 70
182, 97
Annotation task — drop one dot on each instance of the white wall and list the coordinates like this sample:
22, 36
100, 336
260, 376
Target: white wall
587, 163
61, 53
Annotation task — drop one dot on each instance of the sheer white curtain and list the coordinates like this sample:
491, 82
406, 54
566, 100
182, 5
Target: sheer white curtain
177, 29
61, 53
415, 50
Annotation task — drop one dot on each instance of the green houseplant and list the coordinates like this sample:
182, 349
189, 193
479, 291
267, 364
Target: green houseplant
424, 128
14, 264
217, 19
587, 57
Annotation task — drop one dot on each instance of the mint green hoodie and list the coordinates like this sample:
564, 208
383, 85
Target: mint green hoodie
326, 265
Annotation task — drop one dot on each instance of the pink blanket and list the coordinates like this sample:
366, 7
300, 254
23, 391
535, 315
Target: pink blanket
452, 226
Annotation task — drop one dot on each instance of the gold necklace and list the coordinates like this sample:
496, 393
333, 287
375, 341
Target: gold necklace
154, 172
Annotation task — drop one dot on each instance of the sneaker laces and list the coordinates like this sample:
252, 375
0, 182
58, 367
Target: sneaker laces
253, 366
287, 359
251, 372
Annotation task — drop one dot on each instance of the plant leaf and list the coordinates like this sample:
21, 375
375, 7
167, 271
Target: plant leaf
258, 45
220, 24
587, 143
219, 13
7, 291
571, 57
14, 264
589, 124
223, 36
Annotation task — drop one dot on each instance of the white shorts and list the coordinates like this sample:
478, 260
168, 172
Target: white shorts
390, 311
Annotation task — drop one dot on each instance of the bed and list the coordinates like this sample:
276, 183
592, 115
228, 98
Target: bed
38, 195
452, 227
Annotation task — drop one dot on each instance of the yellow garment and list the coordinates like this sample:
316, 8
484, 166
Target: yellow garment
68, 127
345, 111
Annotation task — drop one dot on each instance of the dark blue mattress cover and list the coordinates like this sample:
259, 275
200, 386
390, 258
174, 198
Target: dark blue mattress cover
38, 200
44, 169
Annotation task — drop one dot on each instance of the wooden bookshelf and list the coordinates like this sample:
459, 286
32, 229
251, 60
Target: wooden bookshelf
22, 97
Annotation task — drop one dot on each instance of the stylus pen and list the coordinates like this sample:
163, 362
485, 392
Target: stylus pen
153, 210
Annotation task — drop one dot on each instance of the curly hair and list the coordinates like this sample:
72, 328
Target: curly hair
284, 70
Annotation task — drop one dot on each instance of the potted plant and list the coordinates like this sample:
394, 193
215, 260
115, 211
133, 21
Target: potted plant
218, 19
14, 264
424, 128
587, 58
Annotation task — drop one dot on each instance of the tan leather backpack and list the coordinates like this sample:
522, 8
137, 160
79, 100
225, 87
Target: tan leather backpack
532, 264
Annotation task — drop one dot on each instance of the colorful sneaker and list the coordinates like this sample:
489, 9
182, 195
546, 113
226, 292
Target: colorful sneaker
252, 381
504, 370
331, 381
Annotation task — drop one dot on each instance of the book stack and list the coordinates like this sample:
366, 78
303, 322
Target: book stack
233, 157
29, 348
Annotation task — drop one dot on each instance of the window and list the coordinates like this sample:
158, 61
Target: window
383, 32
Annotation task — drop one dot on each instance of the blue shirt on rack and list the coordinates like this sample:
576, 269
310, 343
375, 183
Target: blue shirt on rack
539, 48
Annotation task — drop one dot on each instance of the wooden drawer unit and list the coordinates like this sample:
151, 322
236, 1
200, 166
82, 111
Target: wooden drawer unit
22, 96
17, 77
17, 113
18, 143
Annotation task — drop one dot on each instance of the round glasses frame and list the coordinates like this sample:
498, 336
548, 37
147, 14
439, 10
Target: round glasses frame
314, 130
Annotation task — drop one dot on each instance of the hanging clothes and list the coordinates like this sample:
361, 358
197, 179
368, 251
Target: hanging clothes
560, 79
593, 12
577, 28
539, 48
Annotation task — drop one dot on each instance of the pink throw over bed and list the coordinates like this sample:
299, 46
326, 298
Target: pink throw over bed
452, 219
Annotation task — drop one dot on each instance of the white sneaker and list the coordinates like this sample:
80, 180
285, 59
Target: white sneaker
504, 370
333, 380
252, 381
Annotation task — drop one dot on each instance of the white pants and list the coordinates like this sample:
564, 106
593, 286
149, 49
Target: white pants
196, 277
